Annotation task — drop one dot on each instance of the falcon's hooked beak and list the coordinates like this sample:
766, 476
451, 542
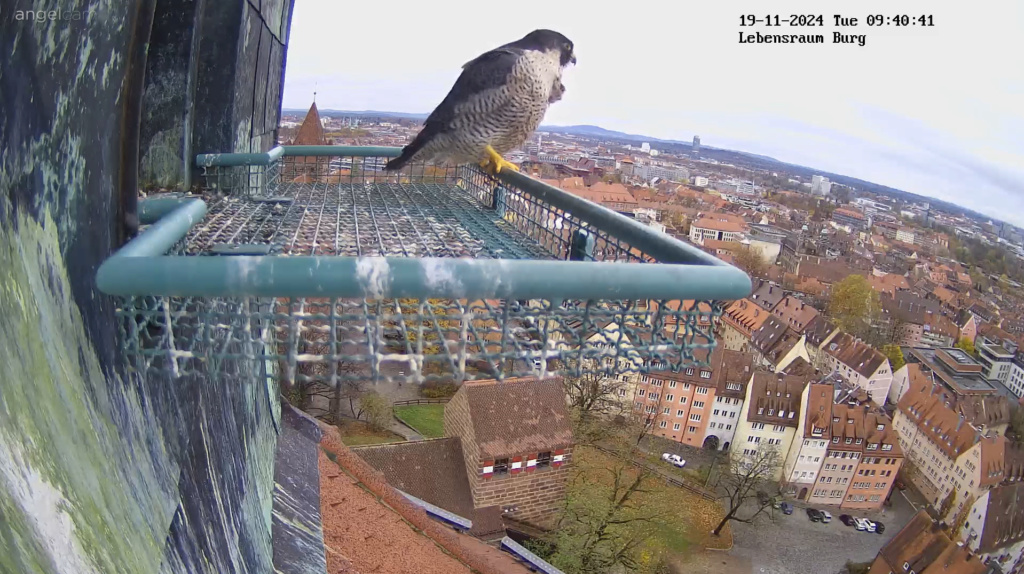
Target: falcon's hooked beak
572, 60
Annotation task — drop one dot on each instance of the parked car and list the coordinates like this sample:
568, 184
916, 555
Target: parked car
786, 507
879, 527
826, 517
861, 523
846, 519
673, 459
814, 515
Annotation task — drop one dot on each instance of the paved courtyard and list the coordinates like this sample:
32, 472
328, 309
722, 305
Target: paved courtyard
795, 545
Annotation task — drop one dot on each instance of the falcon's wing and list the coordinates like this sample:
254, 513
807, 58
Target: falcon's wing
481, 77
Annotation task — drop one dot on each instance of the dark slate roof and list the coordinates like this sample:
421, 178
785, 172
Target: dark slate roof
518, 416
818, 329
1004, 518
434, 471
767, 295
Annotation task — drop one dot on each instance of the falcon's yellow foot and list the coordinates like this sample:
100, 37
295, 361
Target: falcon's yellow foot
495, 163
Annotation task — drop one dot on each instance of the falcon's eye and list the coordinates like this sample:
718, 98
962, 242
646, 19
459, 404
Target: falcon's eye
568, 47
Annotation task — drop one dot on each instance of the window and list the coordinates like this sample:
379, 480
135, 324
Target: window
849, 441
705, 374
886, 447
672, 384
662, 424
835, 440
727, 427
641, 392
670, 398
693, 429
689, 371
760, 411
716, 412
680, 413
666, 411
622, 392
702, 390
695, 417
653, 396
544, 459
682, 400
771, 412
501, 466
757, 426
698, 404
675, 426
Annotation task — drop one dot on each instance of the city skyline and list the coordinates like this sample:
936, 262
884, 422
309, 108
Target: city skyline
916, 109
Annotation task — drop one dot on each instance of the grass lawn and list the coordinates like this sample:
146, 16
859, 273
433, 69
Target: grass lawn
356, 433
428, 420
686, 520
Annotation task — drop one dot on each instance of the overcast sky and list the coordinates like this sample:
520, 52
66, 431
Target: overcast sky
937, 111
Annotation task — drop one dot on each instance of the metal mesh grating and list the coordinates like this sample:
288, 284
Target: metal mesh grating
331, 207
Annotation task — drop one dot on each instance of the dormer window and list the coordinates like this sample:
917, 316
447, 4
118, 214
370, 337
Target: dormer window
792, 414
886, 447
881, 427
849, 441
835, 440
872, 446
835, 419
771, 412
760, 410
860, 440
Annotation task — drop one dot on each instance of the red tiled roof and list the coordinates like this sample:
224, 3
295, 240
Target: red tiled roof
311, 132
926, 549
776, 394
434, 471
365, 520
855, 354
516, 416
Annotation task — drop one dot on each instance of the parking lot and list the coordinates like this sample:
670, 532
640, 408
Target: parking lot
795, 545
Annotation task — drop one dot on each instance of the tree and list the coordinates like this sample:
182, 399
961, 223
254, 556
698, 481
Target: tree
604, 526
350, 391
593, 393
377, 410
749, 259
966, 345
854, 305
1017, 424
749, 478
961, 517
947, 504
895, 355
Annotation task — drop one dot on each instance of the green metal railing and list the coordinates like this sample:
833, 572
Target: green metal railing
312, 259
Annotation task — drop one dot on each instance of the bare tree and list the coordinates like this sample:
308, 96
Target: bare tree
646, 418
747, 483
593, 393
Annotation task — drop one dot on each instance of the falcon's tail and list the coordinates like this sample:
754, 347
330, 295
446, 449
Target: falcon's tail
407, 153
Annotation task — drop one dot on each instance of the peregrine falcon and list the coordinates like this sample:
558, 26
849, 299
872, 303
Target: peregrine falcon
496, 104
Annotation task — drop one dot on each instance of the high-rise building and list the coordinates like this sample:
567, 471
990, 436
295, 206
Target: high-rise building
820, 185
645, 147
696, 144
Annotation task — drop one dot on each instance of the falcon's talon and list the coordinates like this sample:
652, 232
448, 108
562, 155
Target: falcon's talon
495, 163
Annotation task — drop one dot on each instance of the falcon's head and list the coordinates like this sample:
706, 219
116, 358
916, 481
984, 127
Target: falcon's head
549, 41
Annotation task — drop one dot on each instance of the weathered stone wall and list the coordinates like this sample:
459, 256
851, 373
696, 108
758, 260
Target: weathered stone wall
101, 470
213, 84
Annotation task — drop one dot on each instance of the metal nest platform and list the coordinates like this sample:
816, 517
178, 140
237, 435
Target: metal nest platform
311, 264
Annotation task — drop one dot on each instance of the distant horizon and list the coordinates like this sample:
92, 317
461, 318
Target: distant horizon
650, 139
